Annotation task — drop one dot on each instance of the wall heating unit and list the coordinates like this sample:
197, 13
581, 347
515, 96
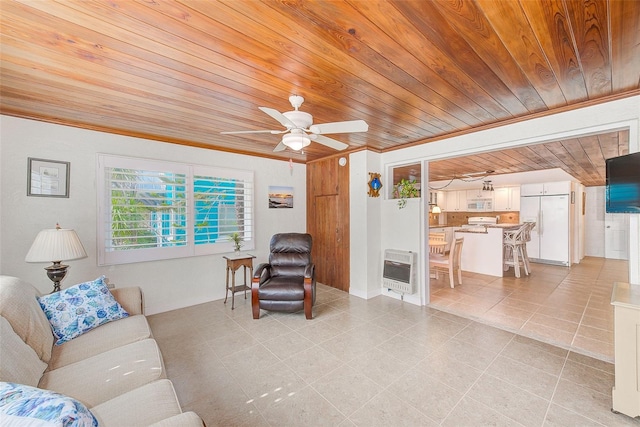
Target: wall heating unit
399, 271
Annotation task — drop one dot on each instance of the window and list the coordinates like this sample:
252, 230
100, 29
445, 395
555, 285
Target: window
411, 172
151, 210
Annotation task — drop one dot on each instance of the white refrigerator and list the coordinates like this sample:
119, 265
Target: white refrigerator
550, 237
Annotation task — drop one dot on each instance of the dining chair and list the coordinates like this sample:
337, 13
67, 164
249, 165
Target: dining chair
437, 237
449, 263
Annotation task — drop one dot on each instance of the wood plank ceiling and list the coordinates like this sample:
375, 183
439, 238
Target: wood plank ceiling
417, 71
583, 158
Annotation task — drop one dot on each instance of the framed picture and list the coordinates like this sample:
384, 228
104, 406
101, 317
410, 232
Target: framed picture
47, 178
280, 197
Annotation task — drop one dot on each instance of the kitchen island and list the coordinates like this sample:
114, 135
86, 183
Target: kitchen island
482, 248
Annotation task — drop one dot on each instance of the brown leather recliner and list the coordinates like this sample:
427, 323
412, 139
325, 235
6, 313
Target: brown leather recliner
287, 282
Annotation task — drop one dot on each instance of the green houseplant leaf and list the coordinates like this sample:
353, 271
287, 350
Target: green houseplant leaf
404, 190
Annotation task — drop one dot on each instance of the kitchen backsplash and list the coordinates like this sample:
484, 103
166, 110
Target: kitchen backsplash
456, 219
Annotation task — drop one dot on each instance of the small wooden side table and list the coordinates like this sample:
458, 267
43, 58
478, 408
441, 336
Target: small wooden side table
234, 262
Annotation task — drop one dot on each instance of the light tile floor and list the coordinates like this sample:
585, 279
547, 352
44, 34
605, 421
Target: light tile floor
377, 362
567, 307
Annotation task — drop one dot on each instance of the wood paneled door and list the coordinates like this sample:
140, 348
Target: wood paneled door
328, 221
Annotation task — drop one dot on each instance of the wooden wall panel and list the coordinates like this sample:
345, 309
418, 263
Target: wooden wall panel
328, 221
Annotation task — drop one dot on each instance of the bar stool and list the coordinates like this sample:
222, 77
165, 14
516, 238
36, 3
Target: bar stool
526, 237
514, 249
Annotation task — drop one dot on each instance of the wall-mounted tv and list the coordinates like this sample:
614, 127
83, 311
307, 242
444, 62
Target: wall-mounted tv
623, 184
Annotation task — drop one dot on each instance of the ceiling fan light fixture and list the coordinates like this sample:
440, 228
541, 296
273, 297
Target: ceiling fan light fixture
301, 119
296, 141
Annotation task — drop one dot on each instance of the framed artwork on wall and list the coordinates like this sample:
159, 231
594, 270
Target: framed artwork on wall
47, 178
280, 197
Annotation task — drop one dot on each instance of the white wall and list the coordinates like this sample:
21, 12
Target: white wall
364, 219
402, 231
619, 114
594, 221
166, 284
579, 246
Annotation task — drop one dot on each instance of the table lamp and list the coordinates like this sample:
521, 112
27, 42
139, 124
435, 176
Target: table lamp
56, 245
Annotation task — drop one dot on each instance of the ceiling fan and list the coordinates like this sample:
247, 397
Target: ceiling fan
300, 130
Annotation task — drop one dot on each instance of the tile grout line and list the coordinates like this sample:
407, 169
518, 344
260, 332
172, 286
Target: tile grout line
555, 388
484, 372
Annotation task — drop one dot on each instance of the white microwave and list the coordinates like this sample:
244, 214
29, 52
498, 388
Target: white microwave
479, 205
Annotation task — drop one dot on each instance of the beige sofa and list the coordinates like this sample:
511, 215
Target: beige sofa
115, 370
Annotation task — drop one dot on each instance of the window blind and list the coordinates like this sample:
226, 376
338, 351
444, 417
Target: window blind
151, 210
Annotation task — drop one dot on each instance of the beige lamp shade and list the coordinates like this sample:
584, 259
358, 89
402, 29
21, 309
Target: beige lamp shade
436, 209
56, 244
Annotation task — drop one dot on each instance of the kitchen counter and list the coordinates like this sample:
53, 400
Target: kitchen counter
482, 250
505, 226
476, 230
482, 247
483, 228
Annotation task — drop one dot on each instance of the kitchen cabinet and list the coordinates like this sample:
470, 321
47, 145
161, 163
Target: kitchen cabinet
546, 188
479, 194
481, 252
506, 199
479, 201
455, 201
437, 198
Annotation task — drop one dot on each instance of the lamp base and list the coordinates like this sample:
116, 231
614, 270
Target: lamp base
56, 273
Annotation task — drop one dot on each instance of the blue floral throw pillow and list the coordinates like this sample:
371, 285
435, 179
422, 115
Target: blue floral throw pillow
80, 308
21, 405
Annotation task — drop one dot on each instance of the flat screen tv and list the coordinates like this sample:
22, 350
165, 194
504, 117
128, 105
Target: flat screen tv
623, 184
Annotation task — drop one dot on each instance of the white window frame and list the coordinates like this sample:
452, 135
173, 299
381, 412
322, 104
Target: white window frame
106, 257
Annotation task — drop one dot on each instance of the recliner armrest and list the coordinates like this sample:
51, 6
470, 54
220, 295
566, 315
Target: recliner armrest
310, 270
262, 273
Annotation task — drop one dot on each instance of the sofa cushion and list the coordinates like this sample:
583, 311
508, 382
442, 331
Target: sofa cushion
186, 419
99, 340
21, 405
80, 308
19, 363
19, 305
106, 375
142, 406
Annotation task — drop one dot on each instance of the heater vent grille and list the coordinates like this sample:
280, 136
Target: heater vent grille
399, 271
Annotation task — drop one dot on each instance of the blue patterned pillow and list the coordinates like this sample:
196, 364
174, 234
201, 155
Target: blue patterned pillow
22, 405
80, 308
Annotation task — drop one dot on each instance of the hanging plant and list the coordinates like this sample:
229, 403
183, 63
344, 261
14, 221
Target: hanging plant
404, 190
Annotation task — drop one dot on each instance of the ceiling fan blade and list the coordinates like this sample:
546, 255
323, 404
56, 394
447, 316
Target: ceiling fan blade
340, 127
284, 121
280, 147
273, 132
336, 145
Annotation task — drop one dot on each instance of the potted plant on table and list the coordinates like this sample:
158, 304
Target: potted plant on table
404, 190
237, 241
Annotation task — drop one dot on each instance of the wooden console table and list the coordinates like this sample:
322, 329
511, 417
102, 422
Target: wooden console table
234, 262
